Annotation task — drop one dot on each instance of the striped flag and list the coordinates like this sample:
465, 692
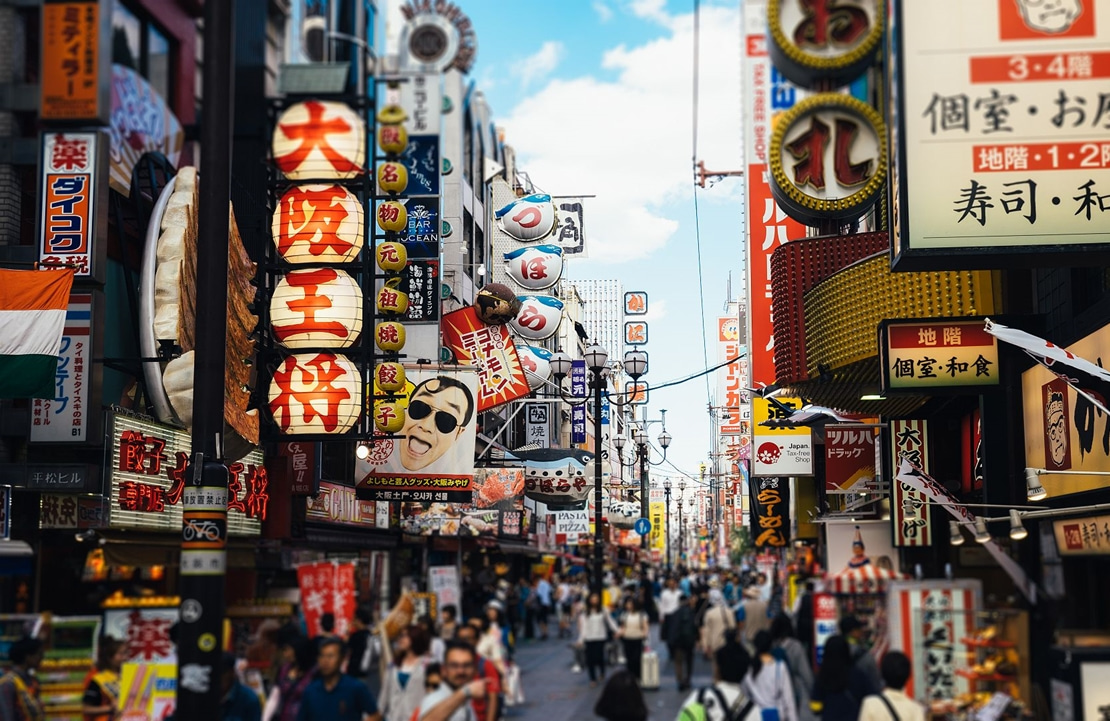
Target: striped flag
32, 319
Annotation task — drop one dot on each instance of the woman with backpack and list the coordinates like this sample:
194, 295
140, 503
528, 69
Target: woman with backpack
790, 650
841, 685
768, 683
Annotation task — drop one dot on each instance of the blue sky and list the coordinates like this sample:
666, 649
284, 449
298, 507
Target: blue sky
596, 98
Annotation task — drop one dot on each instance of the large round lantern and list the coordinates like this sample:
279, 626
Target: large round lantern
389, 416
393, 177
535, 267
389, 336
319, 139
529, 218
538, 318
393, 139
391, 299
315, 393
536, 363
391, 257
317, 308
392, 216
389, 377
318, 224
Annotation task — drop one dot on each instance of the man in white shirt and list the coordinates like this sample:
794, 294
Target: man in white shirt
669, 599
892, 704
545, 605
451, 701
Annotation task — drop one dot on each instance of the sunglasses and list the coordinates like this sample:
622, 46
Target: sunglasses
445, 422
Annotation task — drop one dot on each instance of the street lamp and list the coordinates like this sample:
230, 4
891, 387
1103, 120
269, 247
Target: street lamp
643, 451
597, 360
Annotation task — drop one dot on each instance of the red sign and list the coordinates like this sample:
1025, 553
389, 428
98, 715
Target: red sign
317, 584
68, 220
490, 349
849, 458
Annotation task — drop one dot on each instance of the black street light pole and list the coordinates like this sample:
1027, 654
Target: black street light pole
642, 450
204, 500
666, 538
599, 554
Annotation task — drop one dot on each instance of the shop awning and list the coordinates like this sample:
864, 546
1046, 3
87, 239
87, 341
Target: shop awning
1089, 380
862, 580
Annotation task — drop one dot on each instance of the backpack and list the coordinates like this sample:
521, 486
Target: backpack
697, 710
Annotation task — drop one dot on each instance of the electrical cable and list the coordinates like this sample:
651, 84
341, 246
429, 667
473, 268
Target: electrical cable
697, 218
694, 376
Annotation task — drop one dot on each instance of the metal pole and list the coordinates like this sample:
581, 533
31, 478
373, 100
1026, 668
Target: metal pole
204, 522
666, 538
643, 449
598, 553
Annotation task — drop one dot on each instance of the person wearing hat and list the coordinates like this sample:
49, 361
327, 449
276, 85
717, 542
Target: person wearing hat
859, 557
855, 631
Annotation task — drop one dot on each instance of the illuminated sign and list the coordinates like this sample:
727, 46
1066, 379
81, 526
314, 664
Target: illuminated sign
635, 333
73, 73
822, 42
71, 170
1088, 536
338, 505
849, 458
924, 356
770, 498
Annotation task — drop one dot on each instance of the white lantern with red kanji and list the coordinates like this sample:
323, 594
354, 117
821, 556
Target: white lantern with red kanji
389, 416
529, 218
389, 336
319, 139
393, 177
317, 308
318, 224
315, 393
392, 216
391, 257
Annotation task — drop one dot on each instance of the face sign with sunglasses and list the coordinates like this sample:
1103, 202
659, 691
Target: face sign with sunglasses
439, 411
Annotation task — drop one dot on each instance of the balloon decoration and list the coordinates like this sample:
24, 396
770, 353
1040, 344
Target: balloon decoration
535, 267
539, 317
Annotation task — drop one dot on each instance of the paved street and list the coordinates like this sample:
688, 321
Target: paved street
555, 694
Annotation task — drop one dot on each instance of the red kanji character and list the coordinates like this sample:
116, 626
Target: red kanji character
535, 269
177, 476
132, 449
389, 212
69, 154
313, 216
825, 23
385, 414
129, 495
151, 498
389, 298
579, 484
148, 639
234, 486
387, 374
312, 303
390, 135
258, 496
313, 134
388, 334
547, 485
389, 254
318, 373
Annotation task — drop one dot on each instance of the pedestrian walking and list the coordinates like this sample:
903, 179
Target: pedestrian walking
452, 700
840, 686
101, 697
803, 618
448, 621
333, 695
491, 644
294, 676
19, 687
682, 637
544, 604
361, 644
752, 613
718, 624
595, 626
725, 700
768, 683
892, 702
403, 681
490, 706
855, 632
790, 650
622, 699
238, 702
669, 599
633, 632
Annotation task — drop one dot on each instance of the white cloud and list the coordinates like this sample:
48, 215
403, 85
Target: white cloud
650, 10
604, 12
540, 64
657, 309
628, 140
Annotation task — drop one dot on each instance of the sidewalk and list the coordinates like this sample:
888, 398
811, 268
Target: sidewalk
553, 693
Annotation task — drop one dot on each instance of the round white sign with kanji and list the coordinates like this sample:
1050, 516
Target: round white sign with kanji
319, 139
318, 224
529, 218
535, 267
538, 318
315, 393
317, 308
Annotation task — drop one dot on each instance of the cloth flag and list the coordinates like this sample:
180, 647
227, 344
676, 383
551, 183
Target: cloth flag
32, 322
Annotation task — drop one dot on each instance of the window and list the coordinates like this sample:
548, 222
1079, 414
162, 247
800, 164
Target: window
140, 45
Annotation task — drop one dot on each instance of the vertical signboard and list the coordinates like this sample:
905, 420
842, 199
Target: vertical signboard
657, 514
578, 413
770, 499
768, 93
72, 167
910, 511
536, 424
75, 62
849, 458
67, 417
571, 234
781, 451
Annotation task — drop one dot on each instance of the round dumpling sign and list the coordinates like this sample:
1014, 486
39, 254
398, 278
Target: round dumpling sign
535, 267
539, 317
528, 219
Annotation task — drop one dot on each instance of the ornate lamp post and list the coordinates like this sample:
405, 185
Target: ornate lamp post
667, 500
681, 521
643, 451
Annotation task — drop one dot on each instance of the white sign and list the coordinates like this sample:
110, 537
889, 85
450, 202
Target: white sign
536, 424
572, 522
1003, 124
422, 99
443, 581
65, 417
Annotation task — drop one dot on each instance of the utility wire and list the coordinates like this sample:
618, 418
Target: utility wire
693, 167
694, 376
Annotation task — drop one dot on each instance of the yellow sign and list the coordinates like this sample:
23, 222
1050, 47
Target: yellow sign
765, 410
657, 511
779, 451
1088, 536
147, 691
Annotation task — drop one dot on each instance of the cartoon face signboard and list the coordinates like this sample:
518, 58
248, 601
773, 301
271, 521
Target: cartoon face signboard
539, 317
535, 267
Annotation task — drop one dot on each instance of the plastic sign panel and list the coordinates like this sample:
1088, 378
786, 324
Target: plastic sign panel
74, 70
770, 498
635, 302
910, 513
70, 198
491, 351
849, 458
1087, 536
635, 333
65, 417
732, 379
779, 451
578, 411
1001, 131
539, 317
822, 43
636, 393
923, 356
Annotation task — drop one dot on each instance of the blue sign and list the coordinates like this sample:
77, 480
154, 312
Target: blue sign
421, 158
578, 412
642, 527
421, 238
604, 410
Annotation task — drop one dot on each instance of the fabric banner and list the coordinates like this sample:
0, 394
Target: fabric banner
317, 584
910, 513
770, 498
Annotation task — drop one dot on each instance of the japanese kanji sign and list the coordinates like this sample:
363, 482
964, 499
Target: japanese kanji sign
72, 169
1088, 536
635, 332
910, 512
74, 67
849, 458
146, 476
1002, 133
770, 499
779, 451
67, 416
491, 351
928, 355
732, 378
578, 411
635, 302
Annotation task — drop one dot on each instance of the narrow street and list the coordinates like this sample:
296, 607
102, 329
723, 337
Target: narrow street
554, 693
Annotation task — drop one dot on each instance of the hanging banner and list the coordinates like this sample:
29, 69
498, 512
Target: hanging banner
570, 233
657, 514
491, 351
316, 582
770, 498
781, 451
578, 412
849, 458
909, 512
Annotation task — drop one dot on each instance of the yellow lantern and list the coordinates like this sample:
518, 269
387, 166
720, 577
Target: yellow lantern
389, 377
391, 299
392, 115
392, 177
393, 139
391, 257
318, 224
389, 336
319, 139
389, 416
317, 308
392, 216
315, 393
